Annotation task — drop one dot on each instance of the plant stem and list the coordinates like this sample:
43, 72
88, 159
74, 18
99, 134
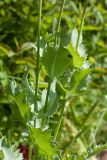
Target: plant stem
98, 125
59, 21
73, 130
60, 15
50, 77
36, 153
90, 113
46, 102
30, 152
38, 55
82, 20
61, 116
83, 126
72, 142
59, 123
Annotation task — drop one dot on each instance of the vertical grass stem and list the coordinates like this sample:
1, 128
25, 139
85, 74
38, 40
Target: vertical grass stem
38, 55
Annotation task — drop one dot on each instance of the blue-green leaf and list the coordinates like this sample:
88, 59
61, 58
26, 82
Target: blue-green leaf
79, 80
55, 61
19, 97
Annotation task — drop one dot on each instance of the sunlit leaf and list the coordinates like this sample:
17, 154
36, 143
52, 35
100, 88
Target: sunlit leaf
78, 60
43, 140
55, 61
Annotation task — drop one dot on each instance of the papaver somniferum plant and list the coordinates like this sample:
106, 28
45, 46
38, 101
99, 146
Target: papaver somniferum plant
62, 72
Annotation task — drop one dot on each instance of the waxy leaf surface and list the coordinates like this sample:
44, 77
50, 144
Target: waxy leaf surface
55, 61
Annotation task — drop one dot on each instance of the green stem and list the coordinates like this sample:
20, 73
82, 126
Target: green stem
31, 140
83, 126
59, 21
98, 125
60, 15
82, 20
50, 78
30, 152
46, 102
71, 143
61, 117
59, 123
90, 113
38, 55
36, 153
